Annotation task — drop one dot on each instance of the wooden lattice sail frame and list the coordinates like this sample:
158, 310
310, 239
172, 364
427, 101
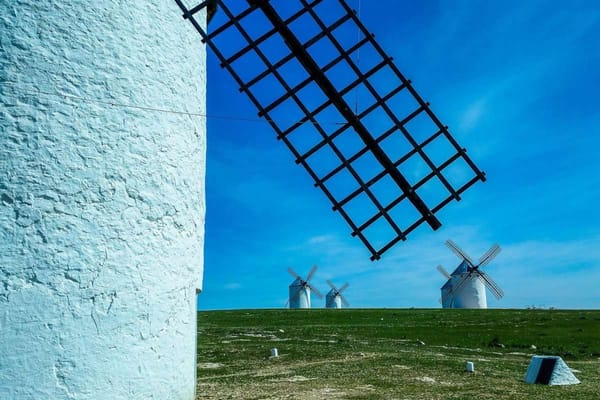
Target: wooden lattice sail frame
370, 154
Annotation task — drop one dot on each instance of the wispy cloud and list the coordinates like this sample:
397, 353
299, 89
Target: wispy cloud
472, 115
233, 286
321, 239
550, 273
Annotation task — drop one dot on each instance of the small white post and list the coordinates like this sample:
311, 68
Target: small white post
470, 366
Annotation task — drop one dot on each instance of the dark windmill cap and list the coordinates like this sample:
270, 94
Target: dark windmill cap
211, 9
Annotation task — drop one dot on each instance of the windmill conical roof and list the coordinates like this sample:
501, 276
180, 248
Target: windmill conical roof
296, 282
462, 268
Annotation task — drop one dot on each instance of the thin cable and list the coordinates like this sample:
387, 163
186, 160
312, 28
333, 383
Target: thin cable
36, 92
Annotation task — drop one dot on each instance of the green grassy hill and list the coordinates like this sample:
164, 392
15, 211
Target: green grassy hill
392, 353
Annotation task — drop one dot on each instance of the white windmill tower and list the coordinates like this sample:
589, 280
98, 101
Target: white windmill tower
299, 290
102, 154
334, 298
465, 287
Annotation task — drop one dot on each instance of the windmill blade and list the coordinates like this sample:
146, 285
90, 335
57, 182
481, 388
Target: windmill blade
294, 274
489, 255
491, 250
344, 301
287, 303
344, 286
311, 273
443, 271
315, 291
490, 284
332, 285
458, 251
458, 285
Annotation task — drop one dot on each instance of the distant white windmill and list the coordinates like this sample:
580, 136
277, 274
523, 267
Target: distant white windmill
300, 289
334, 298
465, 287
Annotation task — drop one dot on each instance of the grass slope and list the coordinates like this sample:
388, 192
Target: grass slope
378, 353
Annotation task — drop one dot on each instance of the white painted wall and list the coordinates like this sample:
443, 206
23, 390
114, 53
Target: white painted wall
299, 297
470, 294
332, 301
101, 207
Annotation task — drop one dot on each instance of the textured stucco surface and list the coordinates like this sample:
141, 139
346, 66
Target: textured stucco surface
101, 206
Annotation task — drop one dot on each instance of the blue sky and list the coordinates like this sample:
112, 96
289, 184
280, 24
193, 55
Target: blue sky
516, 82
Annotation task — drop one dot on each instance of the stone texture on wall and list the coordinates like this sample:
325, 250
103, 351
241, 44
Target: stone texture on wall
101, 205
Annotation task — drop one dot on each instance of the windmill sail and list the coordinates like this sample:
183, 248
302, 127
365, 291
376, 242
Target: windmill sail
315, 291
344, 301
489, 255
294, 274
391, 133
491, 285
459, 252
311, 273
443, 271
344, 286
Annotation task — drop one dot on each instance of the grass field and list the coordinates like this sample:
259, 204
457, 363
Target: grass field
393, 353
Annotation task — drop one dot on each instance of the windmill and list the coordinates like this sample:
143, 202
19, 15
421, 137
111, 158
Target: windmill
300, 289
465, 287
334, 298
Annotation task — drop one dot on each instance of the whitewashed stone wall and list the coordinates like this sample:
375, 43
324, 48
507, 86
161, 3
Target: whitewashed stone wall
470, 294
101, 206
299, 296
